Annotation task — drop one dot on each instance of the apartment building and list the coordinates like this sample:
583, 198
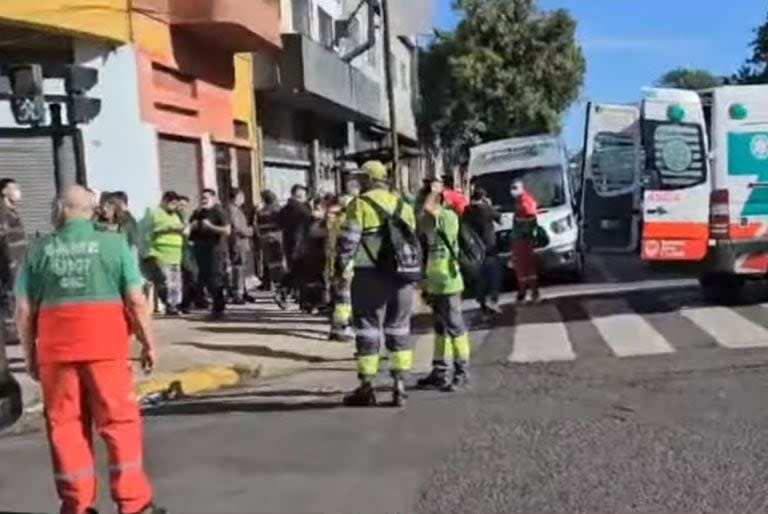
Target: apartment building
322, 103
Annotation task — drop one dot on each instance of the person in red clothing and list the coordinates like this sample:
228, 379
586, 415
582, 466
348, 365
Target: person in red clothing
523, 229
79, 297
455, 198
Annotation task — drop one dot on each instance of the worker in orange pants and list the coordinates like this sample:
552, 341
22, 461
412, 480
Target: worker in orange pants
72, 296
78, 396
523, 229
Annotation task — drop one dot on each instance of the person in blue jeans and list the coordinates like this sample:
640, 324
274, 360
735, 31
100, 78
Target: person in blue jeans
480, 216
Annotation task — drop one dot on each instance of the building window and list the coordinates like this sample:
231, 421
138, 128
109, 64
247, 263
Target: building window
302, 18
326, 28
404, 76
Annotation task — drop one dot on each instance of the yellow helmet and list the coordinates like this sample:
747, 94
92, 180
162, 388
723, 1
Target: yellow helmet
375, 170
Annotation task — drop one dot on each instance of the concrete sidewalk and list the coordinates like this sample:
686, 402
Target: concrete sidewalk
254, 341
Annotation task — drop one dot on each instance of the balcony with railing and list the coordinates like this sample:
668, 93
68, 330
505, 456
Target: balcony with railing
313, 77
238, 25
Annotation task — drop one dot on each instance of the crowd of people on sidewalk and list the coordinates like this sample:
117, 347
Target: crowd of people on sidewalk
81, 293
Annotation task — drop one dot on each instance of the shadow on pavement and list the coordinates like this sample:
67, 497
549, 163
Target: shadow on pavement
206, 407
257, 317
309, 334
273, 393
255, 350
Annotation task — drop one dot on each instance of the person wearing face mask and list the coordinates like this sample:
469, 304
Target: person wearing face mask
210, 230
523, 231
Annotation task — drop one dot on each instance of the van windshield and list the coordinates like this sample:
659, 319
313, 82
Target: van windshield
546, 184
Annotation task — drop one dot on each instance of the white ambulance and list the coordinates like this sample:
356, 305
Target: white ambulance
692, 167
542, 162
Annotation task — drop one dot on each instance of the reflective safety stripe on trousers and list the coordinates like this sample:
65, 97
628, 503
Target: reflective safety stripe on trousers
447, 348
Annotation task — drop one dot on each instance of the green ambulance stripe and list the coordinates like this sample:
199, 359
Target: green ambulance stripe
743, 162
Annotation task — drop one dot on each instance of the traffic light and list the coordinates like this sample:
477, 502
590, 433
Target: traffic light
27, 100
78, 80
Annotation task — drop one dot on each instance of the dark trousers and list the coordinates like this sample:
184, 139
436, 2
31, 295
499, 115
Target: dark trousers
212, 272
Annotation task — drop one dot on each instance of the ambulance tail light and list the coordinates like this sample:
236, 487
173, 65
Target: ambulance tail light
719, 214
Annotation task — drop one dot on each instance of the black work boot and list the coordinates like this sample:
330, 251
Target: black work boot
363, 396
437, 379
460, 382
399, 394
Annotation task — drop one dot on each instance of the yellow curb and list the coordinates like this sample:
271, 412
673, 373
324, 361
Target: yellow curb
195, 380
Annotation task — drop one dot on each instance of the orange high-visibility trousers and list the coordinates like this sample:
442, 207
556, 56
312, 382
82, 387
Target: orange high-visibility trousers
77, 396
524, 264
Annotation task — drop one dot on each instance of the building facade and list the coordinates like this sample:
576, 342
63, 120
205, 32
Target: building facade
175, 86
323, 102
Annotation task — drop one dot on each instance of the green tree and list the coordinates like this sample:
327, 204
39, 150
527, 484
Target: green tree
755, 70
508, 69
686, 78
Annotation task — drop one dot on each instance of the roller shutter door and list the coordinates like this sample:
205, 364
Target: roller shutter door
180, 163
30, 161
280, 179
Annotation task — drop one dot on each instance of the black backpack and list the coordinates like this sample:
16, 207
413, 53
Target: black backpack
400, 253
471, 250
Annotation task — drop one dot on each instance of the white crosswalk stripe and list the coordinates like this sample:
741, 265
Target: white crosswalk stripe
541, 342
626, 334
541, 334
728, 328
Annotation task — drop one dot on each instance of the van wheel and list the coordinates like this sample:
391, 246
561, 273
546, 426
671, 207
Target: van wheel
724, 289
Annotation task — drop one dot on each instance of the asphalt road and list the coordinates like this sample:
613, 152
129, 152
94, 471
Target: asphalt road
676, 424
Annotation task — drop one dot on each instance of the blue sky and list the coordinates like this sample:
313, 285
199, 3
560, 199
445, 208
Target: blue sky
629, 43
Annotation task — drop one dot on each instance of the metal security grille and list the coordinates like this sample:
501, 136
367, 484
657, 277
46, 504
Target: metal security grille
180, 163
30, 161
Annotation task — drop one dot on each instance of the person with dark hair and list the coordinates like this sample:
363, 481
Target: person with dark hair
166, 247
210, 231
480, 217
443, 286
240, 249
126, 222
455, 198
13, 246
294, 217
270, 241
309, 259
191, 294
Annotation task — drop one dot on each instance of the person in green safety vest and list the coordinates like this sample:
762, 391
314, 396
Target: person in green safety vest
166, 250
443, 287
382, 306
341, 289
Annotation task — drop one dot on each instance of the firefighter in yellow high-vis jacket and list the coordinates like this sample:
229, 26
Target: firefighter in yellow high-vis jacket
341, 283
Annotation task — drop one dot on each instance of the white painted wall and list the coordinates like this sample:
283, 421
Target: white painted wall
120, 149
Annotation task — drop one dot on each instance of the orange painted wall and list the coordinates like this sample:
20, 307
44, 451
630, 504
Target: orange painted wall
187, 87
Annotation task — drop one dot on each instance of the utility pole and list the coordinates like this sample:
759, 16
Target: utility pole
388, 71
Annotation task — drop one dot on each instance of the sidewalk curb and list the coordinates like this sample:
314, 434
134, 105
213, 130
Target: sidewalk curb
196, 380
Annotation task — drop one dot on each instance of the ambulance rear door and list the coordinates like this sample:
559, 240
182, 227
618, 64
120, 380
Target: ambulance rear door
677, 191
610, 193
